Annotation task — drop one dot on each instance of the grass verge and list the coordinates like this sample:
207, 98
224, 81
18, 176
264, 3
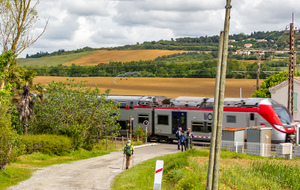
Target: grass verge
188, 170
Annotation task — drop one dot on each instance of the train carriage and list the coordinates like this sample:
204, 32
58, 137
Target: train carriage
165, 115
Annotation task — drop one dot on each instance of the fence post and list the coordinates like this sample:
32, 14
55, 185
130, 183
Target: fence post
291, 151
106, 143
236, 146
122, 141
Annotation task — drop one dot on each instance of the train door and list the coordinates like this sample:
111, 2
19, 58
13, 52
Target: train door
251, 120
178, 120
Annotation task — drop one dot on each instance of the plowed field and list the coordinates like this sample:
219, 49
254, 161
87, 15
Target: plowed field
104, 56
170, 87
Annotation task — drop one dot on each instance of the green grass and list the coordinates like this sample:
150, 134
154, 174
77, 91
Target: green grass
181, 172
52, 60
24, 165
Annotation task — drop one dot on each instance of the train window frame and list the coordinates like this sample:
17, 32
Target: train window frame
131, 105
231, 119
144, 117
164, 118
125, 124
197, 123
252, 116
209, 127
123, 104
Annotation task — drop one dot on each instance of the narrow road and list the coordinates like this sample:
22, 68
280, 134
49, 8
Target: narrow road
95, 173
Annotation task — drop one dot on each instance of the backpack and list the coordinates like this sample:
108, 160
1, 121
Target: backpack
182, 137
178, 134
128, 150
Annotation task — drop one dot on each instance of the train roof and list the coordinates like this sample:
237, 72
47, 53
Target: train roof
205, 102
188, 101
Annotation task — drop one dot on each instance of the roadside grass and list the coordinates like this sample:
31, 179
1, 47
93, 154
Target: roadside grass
52, 60
24, 165
188, 170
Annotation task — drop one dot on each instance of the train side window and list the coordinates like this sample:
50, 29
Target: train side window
123, 104
163, 120
143, 117
123, 124
231, 119
198, 126
131, 105
251, 116
209, 127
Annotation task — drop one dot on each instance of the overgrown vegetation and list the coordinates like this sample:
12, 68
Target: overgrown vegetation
188, 170
75, 110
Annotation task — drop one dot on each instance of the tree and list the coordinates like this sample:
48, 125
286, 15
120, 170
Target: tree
263, 91
25, 107
75, 110
8, 138
17, 21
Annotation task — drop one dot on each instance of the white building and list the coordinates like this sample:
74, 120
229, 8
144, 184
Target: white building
279, 93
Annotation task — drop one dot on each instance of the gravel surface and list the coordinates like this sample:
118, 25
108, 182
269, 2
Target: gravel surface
94, 173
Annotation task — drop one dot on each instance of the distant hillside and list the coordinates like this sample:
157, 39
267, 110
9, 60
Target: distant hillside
105, 56
53, 60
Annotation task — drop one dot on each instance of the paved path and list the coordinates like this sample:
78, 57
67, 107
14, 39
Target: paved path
95, 173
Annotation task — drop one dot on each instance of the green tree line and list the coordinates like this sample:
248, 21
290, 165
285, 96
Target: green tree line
156, 68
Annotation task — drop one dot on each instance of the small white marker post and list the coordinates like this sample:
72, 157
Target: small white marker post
158, 174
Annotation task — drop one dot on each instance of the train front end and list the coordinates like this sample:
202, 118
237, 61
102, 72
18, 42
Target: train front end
280, 119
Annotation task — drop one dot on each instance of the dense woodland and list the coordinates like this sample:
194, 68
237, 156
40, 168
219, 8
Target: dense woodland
189, 65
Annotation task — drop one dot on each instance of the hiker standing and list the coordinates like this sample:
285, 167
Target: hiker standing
182, 140
189, 136
128, 151
177, 135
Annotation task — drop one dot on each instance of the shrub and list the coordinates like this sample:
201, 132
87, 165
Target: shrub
142, 134
9, 140
47, 144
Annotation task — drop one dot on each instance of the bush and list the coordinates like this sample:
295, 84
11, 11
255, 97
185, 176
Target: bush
9, 141
47, 144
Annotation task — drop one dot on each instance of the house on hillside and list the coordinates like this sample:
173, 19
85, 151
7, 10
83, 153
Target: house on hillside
261, 40
248, 45
279, 93
241, 52
231, 40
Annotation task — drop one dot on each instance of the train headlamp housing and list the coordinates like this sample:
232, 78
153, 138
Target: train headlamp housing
280, 127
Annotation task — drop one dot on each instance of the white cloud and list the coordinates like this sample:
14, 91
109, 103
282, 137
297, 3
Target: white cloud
108, 23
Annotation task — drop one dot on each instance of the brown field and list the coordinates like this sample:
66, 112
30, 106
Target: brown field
104, 56
170, 87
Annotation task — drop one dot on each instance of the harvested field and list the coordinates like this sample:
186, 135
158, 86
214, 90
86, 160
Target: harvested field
104, 56
170, 87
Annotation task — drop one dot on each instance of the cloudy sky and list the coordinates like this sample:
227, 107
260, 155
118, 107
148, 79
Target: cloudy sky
74, 24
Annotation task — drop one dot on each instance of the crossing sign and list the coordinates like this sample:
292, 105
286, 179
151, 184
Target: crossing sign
146, 123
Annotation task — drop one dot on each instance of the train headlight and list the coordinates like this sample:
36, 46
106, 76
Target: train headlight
280, 127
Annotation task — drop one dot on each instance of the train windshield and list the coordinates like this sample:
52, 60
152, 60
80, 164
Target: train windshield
283, 114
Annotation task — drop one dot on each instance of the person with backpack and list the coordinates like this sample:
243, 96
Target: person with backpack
177, 135
128, 151
182, 140
189, 136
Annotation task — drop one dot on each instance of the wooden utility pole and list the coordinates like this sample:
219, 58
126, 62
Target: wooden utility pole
130, 125
291, 71
258, 70
215, 147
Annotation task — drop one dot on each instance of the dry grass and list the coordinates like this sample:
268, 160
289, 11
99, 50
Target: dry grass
104, 56
245, 163
170, 87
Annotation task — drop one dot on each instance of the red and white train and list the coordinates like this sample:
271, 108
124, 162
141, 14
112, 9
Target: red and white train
165, 115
